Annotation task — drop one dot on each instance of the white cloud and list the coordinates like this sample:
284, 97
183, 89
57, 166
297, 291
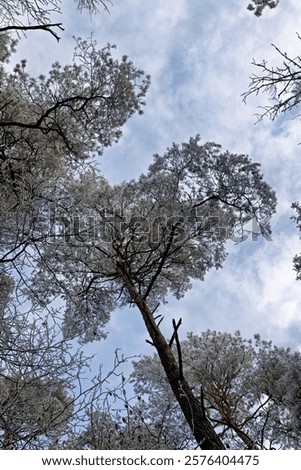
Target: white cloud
256, 291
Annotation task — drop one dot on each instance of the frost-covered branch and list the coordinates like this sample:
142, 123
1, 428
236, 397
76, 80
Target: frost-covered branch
282, 83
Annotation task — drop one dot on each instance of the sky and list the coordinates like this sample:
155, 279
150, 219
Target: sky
199, 55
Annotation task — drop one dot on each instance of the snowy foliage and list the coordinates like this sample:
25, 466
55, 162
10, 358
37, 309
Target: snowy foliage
165, 229
28, 12
42, 123
37, 377
251, 389
257, 6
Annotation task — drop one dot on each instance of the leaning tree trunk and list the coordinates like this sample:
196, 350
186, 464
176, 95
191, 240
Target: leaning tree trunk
191, 407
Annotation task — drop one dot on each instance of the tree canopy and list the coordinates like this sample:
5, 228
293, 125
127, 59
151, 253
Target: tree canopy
251, 390
158, 232
75, 247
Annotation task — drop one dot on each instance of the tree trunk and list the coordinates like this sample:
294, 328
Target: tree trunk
191, 407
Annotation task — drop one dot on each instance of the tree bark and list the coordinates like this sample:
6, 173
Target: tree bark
191, 407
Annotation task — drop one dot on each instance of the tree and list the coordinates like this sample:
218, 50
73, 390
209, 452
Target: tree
122, 423
44, 394
283, 84
35, 373
259, 5
43, 119
250, 389
149, 238
42, 122
27, 15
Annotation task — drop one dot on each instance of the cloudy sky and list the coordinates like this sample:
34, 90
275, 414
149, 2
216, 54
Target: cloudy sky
199, 55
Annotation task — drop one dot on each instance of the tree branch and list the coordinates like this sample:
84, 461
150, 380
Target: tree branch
44, 27
175, 335
163, 259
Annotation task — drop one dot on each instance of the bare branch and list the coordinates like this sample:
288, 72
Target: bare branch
282, 83
44, 27
176, 326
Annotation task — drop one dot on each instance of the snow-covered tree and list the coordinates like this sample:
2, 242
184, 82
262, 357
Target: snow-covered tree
50, 127
283, 83
137, 242
46, 386
118, 422
29, 15
42, 123
251, 390
37, 374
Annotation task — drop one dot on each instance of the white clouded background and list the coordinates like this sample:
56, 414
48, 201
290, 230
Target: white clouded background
199, 54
